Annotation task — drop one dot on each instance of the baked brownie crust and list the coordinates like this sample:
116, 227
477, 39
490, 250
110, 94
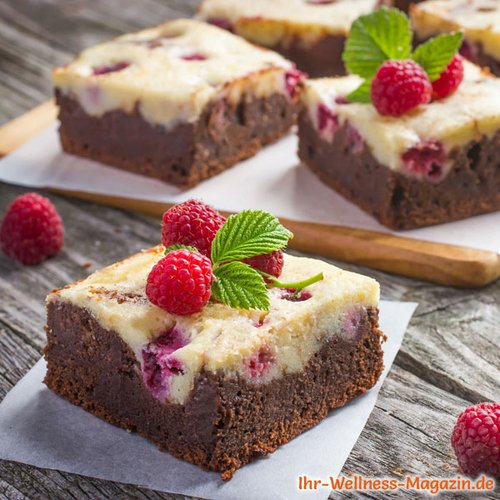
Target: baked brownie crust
472, 187
226, 422
323, 58
188, 152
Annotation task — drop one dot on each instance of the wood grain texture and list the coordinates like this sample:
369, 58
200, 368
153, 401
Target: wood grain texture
449, 359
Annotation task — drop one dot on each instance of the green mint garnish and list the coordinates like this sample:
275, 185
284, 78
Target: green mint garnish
179, 246
435, 54
247, 234
238, 285
244, 235
386, 34
375, 38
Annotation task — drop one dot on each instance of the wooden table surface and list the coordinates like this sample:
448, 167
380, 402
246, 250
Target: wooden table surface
450, 356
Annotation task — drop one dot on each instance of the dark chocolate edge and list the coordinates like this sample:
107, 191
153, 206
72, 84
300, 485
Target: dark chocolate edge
188, 152
225, 423
472, 187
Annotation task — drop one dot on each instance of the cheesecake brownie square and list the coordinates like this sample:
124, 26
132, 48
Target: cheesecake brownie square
311, 33
439, 163
479, 20
180, 102
223, 386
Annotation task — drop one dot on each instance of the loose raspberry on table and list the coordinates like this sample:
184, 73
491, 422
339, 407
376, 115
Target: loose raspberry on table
450, 79
180, 282
400, 86
476, 440
271, 263
32, 230
191, 223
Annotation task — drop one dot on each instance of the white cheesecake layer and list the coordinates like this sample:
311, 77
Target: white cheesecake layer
219, 338
161, 83
478, 19
273, 22
470, 113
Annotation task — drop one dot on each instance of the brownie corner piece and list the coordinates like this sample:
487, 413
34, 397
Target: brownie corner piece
432, 166
478, 20
179, 102
312, 33
217, 402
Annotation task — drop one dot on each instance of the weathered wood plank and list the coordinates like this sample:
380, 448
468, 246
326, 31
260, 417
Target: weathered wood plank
448, 360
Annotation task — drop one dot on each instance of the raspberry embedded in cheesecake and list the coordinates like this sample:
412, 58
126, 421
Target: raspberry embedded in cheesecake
223, 386
181, 101
436, 164
478, 19
309, 32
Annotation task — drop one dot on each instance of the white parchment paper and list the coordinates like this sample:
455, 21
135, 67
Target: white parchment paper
273, 181
41, 429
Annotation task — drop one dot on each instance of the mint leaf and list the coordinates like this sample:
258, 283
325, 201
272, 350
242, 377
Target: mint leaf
246, 234
239, 286
362, 93
375, 38
179, 246
435, 54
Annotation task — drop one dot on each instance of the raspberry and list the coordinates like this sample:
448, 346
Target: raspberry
293, 80
271, 263
399, 87
160, 363
476, 439
110, 68
426, 160
31, 230
191, 223
196, 56
180, 282
261, 362
450, 79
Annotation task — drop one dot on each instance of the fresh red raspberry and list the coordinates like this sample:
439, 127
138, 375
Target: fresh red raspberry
180, 282
271, 263
476, 440
450, 79
31, 230
399, 87
191, 223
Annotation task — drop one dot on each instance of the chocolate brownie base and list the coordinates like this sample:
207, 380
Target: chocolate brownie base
404, 5
185, 154
323, 58
472, 186
226, 422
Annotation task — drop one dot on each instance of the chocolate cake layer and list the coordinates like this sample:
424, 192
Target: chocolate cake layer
226, 422
185, 154
472, 186
323, 58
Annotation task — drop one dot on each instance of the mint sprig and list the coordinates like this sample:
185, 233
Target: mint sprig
374, 38
386, 34
247, 234
238, 285
435, 54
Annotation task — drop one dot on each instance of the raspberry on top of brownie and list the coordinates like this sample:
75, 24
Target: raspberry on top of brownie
170, 72
256, 346
470, 113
